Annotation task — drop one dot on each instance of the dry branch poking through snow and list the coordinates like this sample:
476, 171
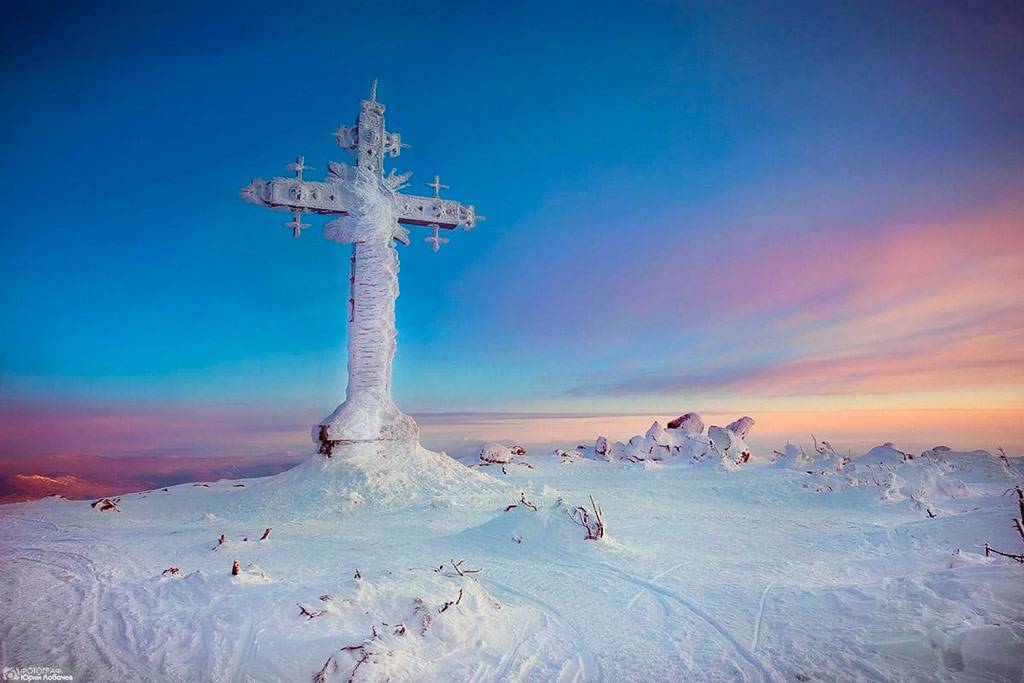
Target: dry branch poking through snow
1018, 524
403, 644
462, 572
594, 524
309, 612
568, 456
522, 501
450, 603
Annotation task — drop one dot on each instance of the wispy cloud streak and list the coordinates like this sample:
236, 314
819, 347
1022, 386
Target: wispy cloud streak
888, 310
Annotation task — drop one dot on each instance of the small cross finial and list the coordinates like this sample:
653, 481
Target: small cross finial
299, 166
296, 224
435, 240
373, 91
437, 187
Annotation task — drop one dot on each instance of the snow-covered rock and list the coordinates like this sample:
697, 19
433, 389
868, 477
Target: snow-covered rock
637, 449
495, 453
656, 435
688, 423
741, 427
729, 443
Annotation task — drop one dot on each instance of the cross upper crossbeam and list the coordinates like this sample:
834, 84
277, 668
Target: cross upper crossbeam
292, 194
369, 142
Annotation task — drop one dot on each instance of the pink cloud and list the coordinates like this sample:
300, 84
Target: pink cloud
893, 309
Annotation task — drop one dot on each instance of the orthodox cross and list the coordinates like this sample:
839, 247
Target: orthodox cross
370, 213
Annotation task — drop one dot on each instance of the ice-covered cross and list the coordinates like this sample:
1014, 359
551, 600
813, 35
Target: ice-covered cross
370, 215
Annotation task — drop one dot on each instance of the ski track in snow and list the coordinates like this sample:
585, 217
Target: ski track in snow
760, 616
588, 667
632, 601
747, 655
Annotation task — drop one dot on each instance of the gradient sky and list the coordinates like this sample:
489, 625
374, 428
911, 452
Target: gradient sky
734, 207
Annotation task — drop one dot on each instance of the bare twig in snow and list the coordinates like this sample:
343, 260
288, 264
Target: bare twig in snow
266, 534
451, 603
1018, 524
309, 612
594, 524
329, 668
457, 566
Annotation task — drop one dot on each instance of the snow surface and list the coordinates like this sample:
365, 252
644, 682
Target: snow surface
391, 563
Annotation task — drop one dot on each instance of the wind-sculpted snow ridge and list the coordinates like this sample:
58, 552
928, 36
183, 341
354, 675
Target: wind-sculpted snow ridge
381, 475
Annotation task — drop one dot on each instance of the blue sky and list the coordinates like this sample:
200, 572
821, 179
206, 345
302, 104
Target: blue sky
686, 204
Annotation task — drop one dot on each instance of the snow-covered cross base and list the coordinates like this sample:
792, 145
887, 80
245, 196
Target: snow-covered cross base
371, 214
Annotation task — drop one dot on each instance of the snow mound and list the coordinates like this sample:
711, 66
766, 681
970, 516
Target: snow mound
548, 528
382, 475
390, 631
976, 467
887, 454
931, 483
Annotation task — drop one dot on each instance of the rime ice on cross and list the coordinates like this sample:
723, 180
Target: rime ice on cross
371, 215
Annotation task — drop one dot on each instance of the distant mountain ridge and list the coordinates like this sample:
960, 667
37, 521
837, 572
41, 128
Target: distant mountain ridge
81, 476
